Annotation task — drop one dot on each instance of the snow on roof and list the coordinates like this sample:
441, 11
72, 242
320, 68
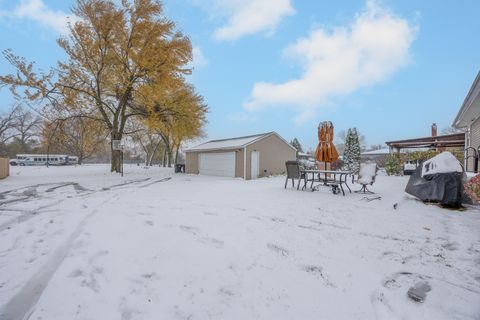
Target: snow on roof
387, 151
230, 143
378, 151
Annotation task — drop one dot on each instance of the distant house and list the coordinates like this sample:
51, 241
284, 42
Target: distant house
468, 119
247, 157
377, 156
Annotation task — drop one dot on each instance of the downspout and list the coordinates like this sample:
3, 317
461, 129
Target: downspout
245, 163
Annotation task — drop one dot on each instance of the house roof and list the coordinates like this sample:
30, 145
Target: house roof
376, 152
470, 109
233, 143
448, 140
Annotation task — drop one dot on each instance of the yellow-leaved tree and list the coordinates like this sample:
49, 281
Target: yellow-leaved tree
116, 53
182, 119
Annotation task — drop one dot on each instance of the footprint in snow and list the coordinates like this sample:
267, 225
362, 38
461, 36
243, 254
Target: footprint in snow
451, 246
144, 213
212, 241
317, 271
190, 229
208, 213
76, 273
224, 291
277, 249
381, 306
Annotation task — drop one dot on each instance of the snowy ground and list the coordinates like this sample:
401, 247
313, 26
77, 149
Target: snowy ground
81, 243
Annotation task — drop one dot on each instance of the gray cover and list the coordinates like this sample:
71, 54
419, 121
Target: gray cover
444, 188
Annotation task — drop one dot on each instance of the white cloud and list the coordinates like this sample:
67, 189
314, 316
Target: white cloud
339, 61
246, 17
199, 59
36, 10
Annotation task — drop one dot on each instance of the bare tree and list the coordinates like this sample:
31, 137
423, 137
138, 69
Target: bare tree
81, 137
7, 121
148, 139
26, 125
377, 147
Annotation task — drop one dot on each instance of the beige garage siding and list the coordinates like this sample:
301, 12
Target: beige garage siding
4, 168
191, 161
239, 164
273, 153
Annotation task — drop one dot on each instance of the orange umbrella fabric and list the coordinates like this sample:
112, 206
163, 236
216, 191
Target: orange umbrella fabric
326, 151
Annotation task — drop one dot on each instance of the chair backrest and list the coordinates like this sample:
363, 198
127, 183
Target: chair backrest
367, 172
293, 169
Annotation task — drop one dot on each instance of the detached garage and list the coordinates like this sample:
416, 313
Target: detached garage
247, 157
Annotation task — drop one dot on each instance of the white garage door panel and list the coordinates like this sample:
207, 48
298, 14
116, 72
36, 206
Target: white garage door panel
217, 164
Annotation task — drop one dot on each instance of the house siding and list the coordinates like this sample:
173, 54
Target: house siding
474, 141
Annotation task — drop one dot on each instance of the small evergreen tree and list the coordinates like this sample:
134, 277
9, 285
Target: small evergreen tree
393, 164
351, 153
296, 144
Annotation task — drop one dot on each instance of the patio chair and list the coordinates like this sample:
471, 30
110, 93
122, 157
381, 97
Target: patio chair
366, 176
293, 172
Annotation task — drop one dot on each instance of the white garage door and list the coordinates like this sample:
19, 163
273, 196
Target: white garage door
217, 164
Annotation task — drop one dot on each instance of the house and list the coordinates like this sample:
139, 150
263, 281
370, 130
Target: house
246, 157
378, 156
468, 119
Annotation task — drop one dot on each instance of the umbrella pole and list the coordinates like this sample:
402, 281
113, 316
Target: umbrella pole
325, 181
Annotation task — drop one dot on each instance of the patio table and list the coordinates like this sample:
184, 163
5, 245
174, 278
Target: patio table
324, 177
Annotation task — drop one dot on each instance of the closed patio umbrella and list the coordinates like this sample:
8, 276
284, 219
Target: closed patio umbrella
326, 151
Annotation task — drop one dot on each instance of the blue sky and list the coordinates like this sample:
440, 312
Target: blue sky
389, 68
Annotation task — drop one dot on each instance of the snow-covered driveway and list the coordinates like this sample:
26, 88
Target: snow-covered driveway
81, 243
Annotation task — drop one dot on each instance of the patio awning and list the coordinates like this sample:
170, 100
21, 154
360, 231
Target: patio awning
445, 141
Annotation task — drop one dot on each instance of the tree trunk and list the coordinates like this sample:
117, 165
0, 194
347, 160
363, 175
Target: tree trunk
153, 154
116, 165
170, 158
164, 160
176, 154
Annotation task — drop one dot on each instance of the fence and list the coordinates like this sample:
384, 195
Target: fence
4, 168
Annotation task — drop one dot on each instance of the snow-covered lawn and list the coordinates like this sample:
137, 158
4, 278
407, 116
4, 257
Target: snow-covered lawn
81, 243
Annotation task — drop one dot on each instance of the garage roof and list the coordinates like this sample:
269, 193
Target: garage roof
233, 143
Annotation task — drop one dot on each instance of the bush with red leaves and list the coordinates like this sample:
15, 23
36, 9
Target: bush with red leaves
472, 188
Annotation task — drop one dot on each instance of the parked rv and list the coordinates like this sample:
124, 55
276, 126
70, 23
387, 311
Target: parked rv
43, 159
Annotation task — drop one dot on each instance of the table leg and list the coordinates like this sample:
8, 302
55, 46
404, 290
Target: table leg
346, 176
341, 187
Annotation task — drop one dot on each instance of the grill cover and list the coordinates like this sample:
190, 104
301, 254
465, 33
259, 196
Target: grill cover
444, 188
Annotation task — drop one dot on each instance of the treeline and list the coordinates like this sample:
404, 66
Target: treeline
124, 76
19, 132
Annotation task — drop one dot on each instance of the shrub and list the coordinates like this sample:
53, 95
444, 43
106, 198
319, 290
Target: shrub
472, 188
393, 164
